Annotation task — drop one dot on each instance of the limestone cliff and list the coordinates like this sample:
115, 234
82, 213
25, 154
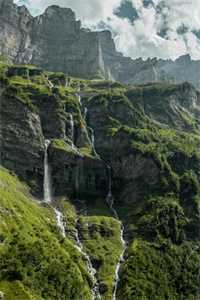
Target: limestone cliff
56, 41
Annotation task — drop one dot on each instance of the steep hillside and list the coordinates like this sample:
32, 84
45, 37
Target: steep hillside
114, 151
34, 251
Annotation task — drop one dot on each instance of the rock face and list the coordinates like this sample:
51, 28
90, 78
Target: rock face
55, 41
22, 139
137, 144
32, 112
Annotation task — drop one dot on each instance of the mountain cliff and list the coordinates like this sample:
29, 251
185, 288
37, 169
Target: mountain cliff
117, 155
55, 41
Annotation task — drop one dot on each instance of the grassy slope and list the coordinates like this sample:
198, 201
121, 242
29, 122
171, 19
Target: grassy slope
33, 252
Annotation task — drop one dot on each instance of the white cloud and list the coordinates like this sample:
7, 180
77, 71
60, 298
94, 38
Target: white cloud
141, 38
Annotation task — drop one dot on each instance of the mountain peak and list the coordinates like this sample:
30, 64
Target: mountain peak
57, 10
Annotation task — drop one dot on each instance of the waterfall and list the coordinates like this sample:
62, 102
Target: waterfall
60, 222
79, 99
47, 175
85, 113
78, 95
110, 198
47, 189
91, 136
95, 290
93, 141
109, 75
50, 83
155, 74
121, 261
72, 127
28, 75
71, 121
110, 201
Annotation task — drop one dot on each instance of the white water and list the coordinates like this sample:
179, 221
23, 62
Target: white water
47, 175
78, 95
67, 82
93, 141
110, 201
71, 121
95, 290
47, 189
85, 113
79, 99
60, 222
109, 75
121, 261
155, 74
28, 75
50, 84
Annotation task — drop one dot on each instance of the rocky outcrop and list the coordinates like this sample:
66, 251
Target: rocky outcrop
76, 174
175, 106
53, 41
21, 140
56, 41
33, 112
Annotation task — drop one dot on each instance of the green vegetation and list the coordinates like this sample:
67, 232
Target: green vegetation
101, 239
160, 271
149, 135
61, 145
32, 251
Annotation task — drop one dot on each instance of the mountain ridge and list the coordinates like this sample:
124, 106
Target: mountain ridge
56, 41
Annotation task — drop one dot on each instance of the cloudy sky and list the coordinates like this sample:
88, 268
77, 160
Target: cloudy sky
141, 28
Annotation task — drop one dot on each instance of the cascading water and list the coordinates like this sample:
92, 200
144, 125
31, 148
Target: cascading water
93, 141
85, 113
60, 222
110, 201
110, 198
155, 74
50, 83
28, 75
92, 137
121, 261
47, 189
95, 290
79, 95
47, 174
71, 121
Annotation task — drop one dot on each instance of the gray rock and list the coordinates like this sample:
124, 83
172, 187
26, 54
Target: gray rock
55, 41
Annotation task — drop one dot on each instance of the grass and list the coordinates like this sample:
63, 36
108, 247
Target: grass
32, 250
101, 240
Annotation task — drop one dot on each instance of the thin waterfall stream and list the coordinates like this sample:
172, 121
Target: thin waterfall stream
47, 174
71, 121
61, 224
48, 191
92, 136
110, 201
92, 271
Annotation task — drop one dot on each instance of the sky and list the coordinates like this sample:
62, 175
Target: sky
141, 28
